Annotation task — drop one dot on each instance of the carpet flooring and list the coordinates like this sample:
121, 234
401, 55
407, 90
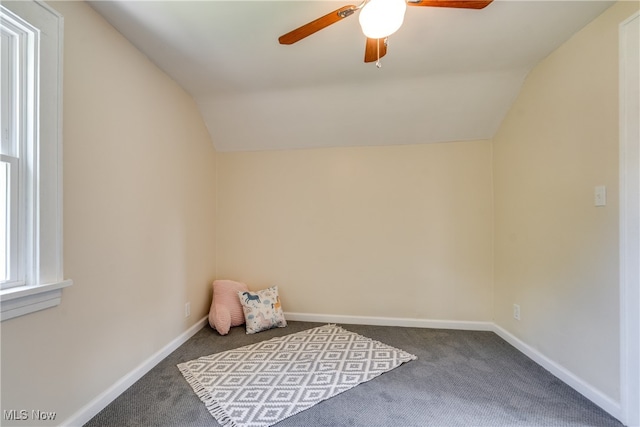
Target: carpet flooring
461, 378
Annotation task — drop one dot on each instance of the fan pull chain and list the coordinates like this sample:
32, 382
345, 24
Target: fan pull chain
378, 63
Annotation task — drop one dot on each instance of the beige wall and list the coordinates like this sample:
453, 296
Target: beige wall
400, 231
139, 183
556, 255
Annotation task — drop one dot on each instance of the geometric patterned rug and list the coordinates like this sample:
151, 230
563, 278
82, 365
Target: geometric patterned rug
263, 383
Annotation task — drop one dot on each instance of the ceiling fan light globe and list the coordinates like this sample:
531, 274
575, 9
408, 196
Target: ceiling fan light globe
381, 18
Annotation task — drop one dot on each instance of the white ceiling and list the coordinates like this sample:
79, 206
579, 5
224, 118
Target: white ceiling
449, 74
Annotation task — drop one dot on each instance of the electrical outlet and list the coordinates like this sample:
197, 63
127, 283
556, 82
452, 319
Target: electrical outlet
516, 311
187, 309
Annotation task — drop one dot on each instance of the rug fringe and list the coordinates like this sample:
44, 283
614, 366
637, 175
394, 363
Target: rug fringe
214, 408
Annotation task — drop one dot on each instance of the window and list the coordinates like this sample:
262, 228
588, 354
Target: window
31, 276
19, 53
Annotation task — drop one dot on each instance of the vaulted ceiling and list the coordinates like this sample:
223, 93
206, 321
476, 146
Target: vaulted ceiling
449, 74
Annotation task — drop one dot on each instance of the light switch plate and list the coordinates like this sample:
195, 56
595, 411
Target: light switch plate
600, 194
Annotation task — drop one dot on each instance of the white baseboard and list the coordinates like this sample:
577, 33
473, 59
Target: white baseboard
92, 408
390, 321
575, 382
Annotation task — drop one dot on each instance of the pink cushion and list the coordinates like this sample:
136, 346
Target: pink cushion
226, 310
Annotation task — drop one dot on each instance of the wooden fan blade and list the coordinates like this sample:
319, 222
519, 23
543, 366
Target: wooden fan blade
371, 50
462, 4
317, 25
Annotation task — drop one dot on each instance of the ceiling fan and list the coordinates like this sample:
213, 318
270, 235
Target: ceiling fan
378, 19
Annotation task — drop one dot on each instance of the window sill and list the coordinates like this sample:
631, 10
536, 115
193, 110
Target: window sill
23, 300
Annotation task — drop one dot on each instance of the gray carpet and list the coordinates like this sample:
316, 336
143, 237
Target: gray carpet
461, 378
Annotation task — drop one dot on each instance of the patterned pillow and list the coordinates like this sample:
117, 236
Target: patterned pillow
262, 310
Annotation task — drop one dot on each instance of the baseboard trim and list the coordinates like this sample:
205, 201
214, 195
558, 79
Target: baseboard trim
390, 321
101, 401
596, 396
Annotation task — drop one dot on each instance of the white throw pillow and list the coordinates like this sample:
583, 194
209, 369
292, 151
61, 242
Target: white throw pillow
262, 310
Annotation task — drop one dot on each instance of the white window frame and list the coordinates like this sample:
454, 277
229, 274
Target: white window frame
40, 235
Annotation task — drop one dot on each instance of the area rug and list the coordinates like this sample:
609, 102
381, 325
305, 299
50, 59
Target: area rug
263, 383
